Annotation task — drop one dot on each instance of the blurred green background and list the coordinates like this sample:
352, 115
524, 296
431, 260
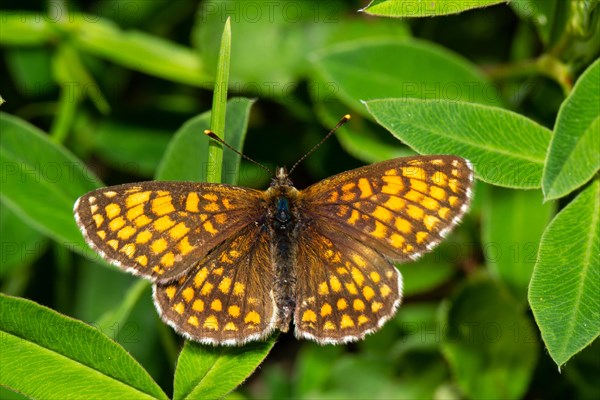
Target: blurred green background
114, 85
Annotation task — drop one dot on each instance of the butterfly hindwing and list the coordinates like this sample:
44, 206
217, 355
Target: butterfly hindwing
227, 298
160, 229
347, 289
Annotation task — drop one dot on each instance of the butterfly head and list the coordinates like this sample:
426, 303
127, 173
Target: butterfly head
281, 177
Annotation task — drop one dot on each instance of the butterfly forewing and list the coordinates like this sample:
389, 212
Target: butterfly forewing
161, 229
401, 207
227, 298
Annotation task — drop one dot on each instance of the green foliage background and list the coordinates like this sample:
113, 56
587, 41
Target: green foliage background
105, 92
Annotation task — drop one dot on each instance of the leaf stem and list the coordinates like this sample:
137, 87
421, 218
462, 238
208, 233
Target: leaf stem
546, 65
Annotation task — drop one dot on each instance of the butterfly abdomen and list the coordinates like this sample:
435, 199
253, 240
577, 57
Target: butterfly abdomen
283, 226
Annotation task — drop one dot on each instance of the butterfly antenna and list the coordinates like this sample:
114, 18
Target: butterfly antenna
344, 119
214, 136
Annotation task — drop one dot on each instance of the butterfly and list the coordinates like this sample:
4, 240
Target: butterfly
231, 264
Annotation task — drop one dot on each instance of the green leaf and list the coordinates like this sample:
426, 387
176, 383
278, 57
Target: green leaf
430, 271
25, 29
131, 148
549, 17
411, 8
45, 354
219, 106
20, 244
31, 68
490, 346
72, 74
270, 69
375, 69
120, 314
208, 372
313, 368
6, 394
41, 181
573, 154
136, 50
512, 224
186, 157
506, 149
563, 294
418, 322
358, 138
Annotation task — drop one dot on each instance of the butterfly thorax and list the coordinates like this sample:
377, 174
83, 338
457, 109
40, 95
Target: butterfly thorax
283, 224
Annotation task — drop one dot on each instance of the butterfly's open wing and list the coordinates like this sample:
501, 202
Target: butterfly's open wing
355, 224
227, 298
401, 207
161, 229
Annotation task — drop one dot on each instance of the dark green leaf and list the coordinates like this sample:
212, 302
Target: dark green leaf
430, 271
513, 223
549, 16
131, 148
490, 346
375, 69
21, 245
41, 181
186, 158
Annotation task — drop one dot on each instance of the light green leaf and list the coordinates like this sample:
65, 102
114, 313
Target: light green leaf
45, 354
219, 106
563, 294
71, 73
574, 153
208, 372
270, 69
42, 180
25, 29
186, 157
375, 69
512, 224
506, 149
137, 50
490, 345
411, 8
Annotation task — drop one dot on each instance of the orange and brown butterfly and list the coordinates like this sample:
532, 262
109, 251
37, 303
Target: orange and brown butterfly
231, 264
